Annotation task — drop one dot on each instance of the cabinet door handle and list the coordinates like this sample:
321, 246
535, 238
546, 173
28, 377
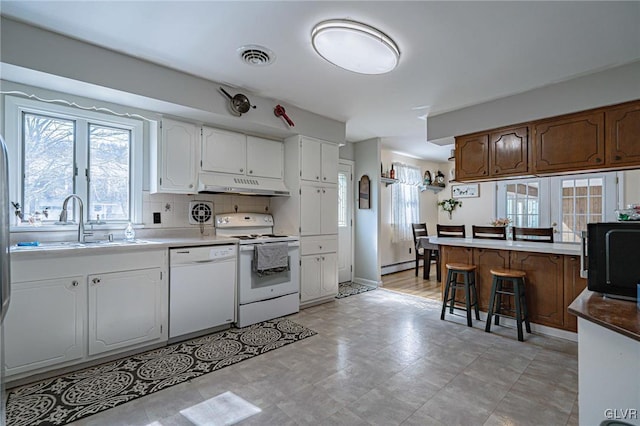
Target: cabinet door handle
74, 283
96, 280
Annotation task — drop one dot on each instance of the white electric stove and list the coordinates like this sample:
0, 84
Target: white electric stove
261, 298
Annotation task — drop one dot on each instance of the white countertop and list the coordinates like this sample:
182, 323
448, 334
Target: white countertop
117, 246
555, 248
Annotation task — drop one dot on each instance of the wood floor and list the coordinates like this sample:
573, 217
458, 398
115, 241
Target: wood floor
407, 282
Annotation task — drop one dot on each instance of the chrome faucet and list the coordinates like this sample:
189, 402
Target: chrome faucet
63, 216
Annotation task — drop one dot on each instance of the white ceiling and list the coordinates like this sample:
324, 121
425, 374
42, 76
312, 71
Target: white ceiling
453, 54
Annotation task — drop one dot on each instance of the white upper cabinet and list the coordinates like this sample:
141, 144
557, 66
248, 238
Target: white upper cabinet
224, 151
330, 154
235, 153
264, 158
175, 157
319, 161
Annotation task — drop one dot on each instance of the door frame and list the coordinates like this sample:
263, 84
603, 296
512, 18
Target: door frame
351, 200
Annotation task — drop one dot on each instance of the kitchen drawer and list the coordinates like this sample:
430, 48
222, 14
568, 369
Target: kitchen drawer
315, 245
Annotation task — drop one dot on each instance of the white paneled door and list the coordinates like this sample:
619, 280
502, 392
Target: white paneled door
345, 221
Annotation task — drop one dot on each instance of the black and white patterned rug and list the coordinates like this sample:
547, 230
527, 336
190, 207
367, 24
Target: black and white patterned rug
63, 399
349, 289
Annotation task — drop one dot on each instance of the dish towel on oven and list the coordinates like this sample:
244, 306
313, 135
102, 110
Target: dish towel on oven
270, 258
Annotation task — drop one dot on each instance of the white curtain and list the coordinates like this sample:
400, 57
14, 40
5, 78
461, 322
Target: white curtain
405, 203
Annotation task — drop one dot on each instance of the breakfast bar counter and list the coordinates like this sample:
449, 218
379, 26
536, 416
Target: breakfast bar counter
553, 273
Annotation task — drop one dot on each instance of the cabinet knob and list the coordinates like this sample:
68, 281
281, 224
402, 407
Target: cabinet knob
320, 247
618, 158
96, 280
324, 178
190, 185
317, 177
322, 257
74, 283
323, 191
318, 191
598, 160
241, 170
250, 171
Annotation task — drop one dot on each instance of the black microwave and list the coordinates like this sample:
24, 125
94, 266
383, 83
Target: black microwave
613, 258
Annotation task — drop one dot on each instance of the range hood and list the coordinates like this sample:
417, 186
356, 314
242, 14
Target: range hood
219, 182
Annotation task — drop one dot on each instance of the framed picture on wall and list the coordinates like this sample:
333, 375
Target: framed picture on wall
465, 191
364, 193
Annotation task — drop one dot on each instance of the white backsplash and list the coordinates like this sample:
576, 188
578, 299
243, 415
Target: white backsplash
174, 208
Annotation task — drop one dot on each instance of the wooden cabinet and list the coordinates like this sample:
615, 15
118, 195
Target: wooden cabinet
509, 152
45, 324
503, 152
174, 158
318, 269
569, 143
452, 254
599, 139
623, 135
472, 157
318, 161
544, 286
125, 309
573, 286
485, 260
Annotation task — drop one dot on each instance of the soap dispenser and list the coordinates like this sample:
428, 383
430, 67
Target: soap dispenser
129, 233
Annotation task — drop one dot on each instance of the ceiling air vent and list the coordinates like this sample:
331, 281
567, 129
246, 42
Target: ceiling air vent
257, 56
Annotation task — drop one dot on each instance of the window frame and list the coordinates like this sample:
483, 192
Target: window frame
15, 107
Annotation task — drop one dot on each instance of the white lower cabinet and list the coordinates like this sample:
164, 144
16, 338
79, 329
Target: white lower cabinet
318, 268
124, 309
109, 303
45, 324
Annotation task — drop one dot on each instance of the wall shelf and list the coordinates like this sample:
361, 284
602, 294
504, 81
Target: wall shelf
388, 181
434, 188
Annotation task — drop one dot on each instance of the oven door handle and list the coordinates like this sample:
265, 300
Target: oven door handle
249, 247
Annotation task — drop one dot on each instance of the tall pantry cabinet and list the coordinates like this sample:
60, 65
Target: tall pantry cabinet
311, 174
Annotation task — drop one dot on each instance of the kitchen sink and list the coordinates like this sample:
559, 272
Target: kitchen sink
58, 245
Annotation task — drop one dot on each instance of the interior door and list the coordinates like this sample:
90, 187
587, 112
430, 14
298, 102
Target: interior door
345, 221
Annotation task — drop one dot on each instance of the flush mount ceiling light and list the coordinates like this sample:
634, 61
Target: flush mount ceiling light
355, 47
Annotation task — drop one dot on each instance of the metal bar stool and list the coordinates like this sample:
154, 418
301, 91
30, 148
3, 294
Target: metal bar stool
516, 279
468, 284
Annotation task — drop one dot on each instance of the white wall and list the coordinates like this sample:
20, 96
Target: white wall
41, 58
366, 268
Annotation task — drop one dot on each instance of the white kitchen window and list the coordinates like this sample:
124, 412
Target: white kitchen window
405, 202
55, 151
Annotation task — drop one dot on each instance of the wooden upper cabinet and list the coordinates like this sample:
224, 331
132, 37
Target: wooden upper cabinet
472, 157
509, 152
569, 143
623, 135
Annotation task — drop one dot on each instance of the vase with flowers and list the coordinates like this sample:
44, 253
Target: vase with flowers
505, 222
449, 205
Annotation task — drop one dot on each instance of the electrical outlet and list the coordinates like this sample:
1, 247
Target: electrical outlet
409, 250
156, 217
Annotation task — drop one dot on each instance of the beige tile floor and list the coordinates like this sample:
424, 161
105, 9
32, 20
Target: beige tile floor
384, 358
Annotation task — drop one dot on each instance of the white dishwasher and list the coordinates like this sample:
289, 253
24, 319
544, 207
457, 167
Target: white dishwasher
202, 283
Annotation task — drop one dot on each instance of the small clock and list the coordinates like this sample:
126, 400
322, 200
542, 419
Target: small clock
439, 179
